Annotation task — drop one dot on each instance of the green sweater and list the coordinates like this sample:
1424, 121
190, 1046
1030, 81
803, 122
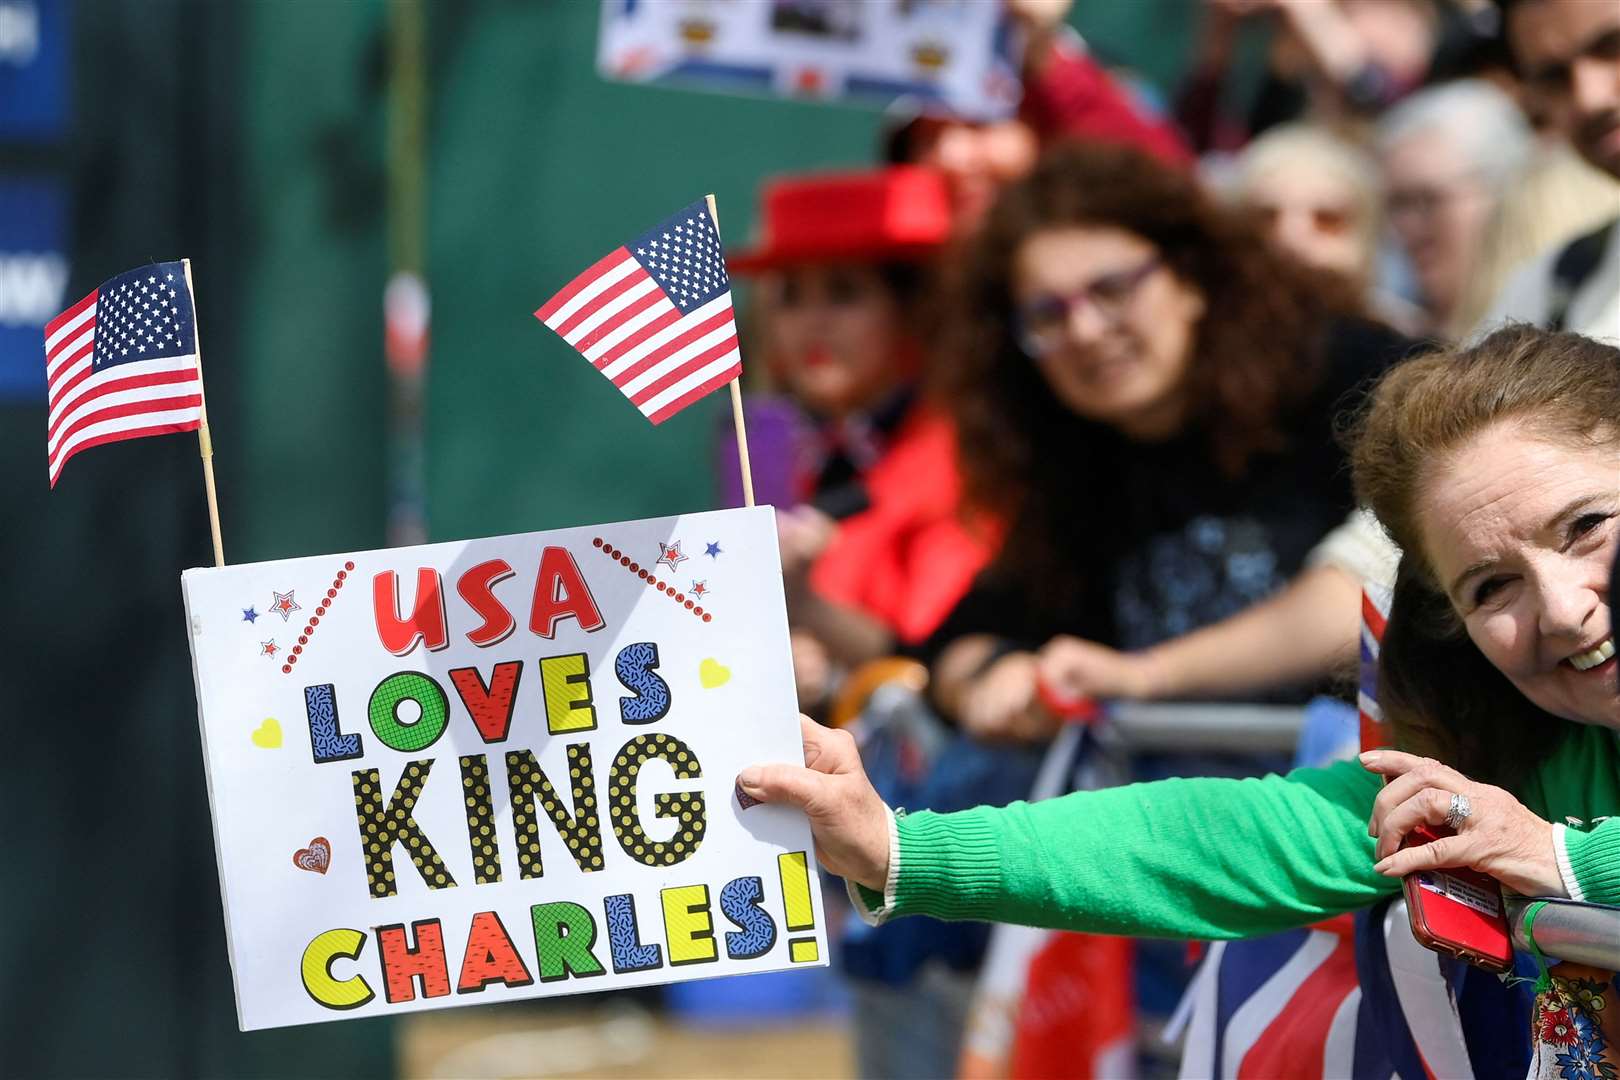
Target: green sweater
1212, 858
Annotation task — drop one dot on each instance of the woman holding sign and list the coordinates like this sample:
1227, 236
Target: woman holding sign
1494, 469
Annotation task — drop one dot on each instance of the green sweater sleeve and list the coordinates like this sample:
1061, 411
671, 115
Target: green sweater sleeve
1186, 858
1594, 858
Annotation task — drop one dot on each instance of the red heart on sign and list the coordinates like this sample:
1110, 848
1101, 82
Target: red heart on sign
316, 857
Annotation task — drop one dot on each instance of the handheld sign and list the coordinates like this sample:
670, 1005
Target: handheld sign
502, 768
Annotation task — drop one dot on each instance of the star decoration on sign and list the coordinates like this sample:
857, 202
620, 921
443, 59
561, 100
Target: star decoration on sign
248, 614
670, 554
285, 605
712, 549
269, 648
699, 589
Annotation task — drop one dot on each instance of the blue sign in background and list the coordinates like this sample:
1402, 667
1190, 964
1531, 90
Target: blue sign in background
33, 281
33, 69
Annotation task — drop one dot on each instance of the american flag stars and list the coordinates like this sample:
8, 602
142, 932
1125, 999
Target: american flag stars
685, 259
141, 317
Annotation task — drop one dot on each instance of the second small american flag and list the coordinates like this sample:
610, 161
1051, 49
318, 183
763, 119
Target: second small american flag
655, 315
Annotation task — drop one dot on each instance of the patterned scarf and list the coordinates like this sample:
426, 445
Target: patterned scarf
1576, 1026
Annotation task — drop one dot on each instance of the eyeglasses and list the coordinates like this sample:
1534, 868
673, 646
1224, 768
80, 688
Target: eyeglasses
1326, 220
1422, 201
1043, 323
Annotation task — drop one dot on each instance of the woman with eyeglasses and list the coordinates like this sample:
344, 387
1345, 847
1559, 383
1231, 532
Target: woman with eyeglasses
1146, 392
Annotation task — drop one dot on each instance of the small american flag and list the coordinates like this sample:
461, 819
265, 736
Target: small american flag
655, 315
122, 363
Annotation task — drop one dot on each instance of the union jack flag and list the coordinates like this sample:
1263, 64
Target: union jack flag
1355, 996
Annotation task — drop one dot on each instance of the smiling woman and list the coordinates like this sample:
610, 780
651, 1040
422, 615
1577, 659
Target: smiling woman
1499, 476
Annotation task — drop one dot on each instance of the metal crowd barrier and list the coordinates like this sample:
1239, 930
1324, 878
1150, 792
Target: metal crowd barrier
1235, 728
1567, 930
1564, 929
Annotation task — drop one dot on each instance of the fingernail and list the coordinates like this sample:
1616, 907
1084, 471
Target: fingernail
744, 799
1382, 866
749, 777
1370, 757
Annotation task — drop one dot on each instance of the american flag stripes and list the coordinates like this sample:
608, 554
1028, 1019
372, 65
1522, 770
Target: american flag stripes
655, 315
122, 363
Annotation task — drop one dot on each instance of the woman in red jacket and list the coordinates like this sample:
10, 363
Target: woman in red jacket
876, 553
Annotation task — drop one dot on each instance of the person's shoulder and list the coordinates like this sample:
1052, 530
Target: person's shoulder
1526, 296
1530, 292
1357, 350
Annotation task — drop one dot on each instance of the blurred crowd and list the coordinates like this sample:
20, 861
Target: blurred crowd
1052, 402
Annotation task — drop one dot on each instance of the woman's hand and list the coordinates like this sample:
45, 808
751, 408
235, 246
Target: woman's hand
1499, 837
847, 817
812, 669
1076, 668
1002, 703
802, 534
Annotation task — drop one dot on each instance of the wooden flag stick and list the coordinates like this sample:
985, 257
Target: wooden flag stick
736, 402
205, 444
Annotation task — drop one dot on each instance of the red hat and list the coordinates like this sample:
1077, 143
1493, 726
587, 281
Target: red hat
893, 214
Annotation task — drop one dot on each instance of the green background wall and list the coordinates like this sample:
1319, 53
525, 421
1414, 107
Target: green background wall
536, 167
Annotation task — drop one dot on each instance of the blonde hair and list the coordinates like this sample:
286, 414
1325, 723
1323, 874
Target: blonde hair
1320, 149
1557, 198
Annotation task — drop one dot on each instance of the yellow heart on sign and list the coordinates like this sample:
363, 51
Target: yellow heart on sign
268, 734
712, 673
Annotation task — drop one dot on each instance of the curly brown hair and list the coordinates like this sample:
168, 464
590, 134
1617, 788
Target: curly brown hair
1442, 696
1256, 350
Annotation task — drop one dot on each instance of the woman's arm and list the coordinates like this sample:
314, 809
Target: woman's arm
851, 636
1305, 632
1192, 858
1590, 861
1202, 858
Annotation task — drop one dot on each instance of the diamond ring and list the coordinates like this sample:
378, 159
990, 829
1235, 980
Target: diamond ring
1458, 811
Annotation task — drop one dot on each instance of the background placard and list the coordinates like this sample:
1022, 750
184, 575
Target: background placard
956, 52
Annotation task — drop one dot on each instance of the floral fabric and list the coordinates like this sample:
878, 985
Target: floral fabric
1576, 1026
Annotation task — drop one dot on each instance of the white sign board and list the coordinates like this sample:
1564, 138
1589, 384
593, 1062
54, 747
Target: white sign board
955, 52
502, 768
